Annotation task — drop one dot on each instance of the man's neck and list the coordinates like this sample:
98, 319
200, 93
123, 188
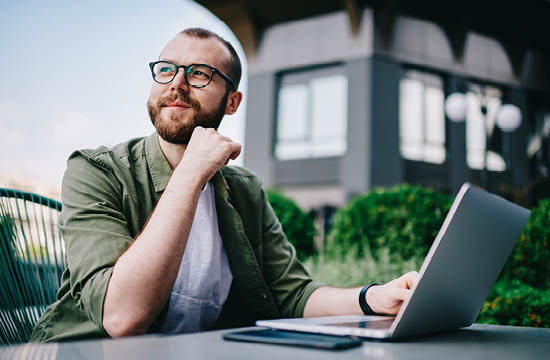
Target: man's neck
172, 152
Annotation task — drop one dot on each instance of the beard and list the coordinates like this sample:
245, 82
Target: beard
174, 127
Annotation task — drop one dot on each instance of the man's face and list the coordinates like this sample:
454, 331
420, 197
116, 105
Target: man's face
177, 108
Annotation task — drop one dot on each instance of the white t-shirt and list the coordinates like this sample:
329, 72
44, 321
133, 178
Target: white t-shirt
204, 277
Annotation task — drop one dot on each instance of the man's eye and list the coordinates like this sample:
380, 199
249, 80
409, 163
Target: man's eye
198, 73
166, 69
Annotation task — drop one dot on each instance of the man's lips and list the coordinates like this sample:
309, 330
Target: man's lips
177, 104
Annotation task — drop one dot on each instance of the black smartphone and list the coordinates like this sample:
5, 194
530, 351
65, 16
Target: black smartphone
282, 337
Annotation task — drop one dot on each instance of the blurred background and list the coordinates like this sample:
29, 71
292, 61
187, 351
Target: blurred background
362, 117
353, 94
346, 95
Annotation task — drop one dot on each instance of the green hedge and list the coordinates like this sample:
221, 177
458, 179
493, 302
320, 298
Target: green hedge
387, 232
512, 302
530, 259
298, 225
405, 219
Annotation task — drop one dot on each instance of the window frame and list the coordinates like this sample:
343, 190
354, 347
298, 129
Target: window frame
434, 79
304, 76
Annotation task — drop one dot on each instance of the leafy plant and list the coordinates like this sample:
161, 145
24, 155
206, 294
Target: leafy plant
515, 303
381, 235
530, 259
298, 225
405, 219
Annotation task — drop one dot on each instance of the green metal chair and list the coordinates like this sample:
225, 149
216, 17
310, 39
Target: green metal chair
32, 259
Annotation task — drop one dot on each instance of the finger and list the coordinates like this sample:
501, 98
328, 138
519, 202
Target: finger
401, 294
411, 278
236, 151
406, 280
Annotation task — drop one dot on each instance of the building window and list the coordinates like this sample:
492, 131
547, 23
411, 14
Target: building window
422, 117
312, 114
478, 125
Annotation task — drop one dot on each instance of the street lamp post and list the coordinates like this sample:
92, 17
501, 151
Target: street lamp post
508, 119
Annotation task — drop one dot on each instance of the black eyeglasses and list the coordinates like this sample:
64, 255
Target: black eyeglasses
196, 75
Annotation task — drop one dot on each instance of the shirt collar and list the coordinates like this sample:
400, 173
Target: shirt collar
160, 169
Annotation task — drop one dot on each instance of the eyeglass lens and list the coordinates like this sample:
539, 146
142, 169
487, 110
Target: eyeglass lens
196, 75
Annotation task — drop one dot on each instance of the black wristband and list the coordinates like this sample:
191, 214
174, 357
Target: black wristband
363, 300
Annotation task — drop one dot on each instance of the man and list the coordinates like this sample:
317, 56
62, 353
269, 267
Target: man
162, 237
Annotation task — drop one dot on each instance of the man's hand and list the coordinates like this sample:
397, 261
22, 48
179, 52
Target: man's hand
388, 298
207, 152
144, 275
383, 299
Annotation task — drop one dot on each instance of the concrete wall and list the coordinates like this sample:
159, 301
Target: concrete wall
259, 126
386, 161
298, 45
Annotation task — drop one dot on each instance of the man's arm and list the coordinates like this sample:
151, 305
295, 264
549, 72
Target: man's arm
383, 299
297, 295
144, 275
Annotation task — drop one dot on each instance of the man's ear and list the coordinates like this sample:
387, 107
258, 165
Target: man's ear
233, 101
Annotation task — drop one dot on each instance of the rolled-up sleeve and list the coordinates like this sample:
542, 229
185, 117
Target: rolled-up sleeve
94, 230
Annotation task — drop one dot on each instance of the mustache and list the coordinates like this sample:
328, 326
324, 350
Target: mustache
163, 101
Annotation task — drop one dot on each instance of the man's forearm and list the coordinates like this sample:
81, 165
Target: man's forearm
144, 275
382, 299
329, 301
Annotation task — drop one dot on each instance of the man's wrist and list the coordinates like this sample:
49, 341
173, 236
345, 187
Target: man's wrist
191, 179
367, 310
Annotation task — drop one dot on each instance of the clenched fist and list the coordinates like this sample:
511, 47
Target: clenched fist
207, 152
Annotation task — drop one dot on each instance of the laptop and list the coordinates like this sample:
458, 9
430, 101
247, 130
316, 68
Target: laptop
462, 264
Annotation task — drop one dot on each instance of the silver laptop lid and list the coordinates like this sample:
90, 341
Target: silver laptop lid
464, 261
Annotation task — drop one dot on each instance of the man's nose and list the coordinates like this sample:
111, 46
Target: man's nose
179, 83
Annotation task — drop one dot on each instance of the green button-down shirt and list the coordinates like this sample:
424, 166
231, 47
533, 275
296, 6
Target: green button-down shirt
108, 194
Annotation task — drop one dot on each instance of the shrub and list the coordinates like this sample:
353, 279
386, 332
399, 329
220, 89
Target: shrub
405, 219
515, 303
509, 302
299, 227
530, 259
386, 233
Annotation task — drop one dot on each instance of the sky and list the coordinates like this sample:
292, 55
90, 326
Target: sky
75, 75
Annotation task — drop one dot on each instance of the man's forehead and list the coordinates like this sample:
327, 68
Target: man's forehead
186, 50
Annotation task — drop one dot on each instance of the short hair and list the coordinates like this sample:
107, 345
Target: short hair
234, 63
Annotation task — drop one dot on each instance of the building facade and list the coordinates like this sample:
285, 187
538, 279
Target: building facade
351, 95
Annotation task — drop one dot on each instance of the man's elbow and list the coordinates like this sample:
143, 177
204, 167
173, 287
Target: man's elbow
121, 325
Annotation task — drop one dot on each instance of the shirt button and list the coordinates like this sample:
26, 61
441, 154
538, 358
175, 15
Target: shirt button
264, 296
